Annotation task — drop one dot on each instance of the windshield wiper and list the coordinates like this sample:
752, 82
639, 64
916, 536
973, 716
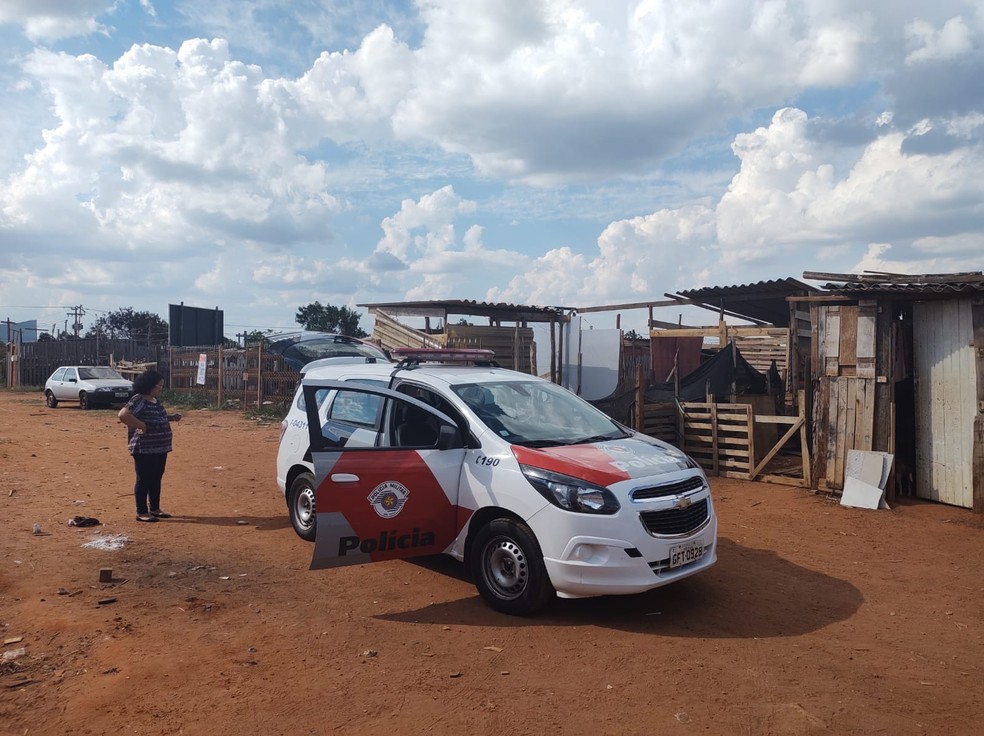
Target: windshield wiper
598, 438
541, 443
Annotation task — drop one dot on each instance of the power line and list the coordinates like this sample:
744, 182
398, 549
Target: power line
20, 306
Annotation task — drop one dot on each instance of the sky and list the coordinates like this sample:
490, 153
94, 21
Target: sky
260, 155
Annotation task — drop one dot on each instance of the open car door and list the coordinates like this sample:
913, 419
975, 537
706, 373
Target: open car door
383, 492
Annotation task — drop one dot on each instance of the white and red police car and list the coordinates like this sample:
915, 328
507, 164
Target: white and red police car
535, 490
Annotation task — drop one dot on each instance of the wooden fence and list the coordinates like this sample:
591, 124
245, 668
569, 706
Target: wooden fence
247, 377
33, 362
731, 440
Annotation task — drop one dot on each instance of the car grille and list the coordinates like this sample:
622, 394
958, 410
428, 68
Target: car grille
669, 489
676, 522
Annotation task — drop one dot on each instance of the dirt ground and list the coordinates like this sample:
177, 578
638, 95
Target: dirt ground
817, 619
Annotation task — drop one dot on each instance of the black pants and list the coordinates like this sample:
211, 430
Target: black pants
150, 470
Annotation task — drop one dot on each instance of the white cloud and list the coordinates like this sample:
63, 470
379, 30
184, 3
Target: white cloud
951, 260
55, 19
932, 44
786, 211
423, 227
165, 149
232, 177
554, 91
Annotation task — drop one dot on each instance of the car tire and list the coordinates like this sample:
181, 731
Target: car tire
301, 508
507, 566
50, 400
84, 401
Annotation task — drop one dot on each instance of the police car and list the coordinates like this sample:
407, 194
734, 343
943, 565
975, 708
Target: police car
535, 490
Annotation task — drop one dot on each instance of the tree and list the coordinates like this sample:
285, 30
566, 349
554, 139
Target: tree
126, 323
251, 338
326, 318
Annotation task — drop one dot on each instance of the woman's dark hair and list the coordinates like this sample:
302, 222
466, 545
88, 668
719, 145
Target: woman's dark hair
145, 382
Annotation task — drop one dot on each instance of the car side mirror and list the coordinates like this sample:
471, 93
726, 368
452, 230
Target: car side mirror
448, 437
73, 380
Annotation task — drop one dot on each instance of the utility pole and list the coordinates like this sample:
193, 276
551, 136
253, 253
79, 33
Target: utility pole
76, 315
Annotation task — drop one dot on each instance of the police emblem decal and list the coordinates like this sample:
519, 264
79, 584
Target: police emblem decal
387, 498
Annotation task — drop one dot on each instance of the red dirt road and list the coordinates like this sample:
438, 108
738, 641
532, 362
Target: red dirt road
817, 619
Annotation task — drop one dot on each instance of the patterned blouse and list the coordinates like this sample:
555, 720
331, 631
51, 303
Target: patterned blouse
157, 438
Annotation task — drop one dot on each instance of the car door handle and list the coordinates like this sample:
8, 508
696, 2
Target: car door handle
344, 478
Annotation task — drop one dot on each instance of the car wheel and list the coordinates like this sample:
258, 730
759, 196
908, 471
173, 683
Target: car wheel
84, 401
300, 505
50, 400
508, 568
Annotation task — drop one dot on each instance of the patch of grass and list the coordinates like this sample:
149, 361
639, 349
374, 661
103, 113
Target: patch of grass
187, 399
269, 411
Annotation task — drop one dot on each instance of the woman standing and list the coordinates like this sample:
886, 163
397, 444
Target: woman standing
149, 441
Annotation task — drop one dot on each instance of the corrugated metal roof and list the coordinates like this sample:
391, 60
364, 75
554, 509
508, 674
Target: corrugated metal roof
444, 307
762, 301
926, 286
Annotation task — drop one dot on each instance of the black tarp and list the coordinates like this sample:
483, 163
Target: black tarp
716, 376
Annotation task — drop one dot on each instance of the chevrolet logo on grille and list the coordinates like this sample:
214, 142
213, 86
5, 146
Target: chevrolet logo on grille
682, 502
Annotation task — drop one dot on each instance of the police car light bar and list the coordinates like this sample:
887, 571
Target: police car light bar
443, 355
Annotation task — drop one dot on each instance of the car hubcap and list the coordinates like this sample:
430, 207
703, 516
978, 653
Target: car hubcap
505, 569
305, 507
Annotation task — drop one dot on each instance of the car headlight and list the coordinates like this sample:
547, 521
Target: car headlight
103, 388
571, 494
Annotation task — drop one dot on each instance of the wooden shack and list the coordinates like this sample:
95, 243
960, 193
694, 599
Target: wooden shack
755, 437
507, 332
898, 367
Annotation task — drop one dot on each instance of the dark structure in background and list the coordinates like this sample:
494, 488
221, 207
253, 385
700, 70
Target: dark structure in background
190, 326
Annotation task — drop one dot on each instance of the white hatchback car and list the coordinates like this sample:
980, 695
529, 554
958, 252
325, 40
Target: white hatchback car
534, 489
90, 385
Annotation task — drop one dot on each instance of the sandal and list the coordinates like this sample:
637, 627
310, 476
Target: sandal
146, 517
160, 514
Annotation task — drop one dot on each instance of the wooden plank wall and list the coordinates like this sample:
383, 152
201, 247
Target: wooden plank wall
945, 366
389, 333
851, 423
720, 437
761, 350
513, 346
659, 420
845, 383
977, 312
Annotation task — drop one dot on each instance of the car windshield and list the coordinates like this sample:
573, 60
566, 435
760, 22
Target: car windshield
306, 349
328, 348
98, 371
537, 413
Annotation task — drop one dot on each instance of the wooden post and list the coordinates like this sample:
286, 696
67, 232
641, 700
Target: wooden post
640, 402
221, 373
715, 462
560, 353
681, 424
553, 351
516, 346
804, 448
259, 375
